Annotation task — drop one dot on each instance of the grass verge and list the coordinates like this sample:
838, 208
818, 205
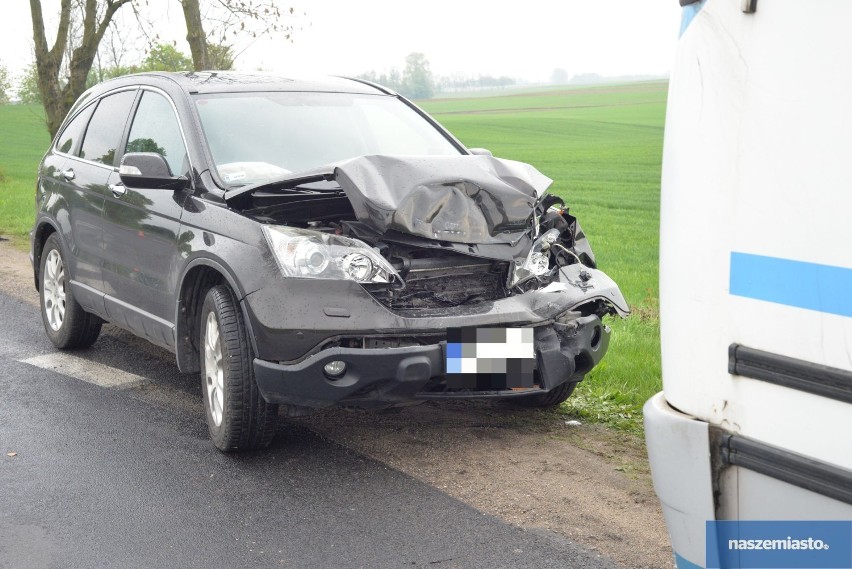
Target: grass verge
23, 141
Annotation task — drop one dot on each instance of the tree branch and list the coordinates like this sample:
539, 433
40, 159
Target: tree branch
58, 49
112, 7
39, 37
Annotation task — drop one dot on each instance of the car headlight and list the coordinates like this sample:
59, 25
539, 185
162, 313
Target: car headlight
537, 263
315, 255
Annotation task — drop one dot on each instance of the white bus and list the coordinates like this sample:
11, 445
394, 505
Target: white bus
755, 418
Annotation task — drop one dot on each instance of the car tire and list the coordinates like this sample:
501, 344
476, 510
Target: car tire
551, 398
237, 415
67, 325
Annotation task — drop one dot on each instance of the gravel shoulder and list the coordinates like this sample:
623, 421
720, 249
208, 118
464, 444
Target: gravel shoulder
585, 482
532, 469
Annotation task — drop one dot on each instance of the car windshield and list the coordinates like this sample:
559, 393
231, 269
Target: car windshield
255, 137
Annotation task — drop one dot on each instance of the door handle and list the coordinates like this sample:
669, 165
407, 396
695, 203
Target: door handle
68, 174
118, 190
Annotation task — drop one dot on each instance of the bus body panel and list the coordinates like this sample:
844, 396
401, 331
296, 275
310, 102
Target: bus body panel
754, 251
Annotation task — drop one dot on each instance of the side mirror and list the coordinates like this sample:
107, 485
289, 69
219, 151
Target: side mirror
480, 151
149, 170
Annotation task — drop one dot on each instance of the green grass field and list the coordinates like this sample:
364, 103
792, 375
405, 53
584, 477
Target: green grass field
601, 145
23, 141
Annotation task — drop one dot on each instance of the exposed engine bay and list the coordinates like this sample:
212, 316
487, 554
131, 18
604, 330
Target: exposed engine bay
436, 232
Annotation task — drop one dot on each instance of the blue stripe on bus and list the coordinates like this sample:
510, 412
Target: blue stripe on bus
823, 288
683, 563
688, 14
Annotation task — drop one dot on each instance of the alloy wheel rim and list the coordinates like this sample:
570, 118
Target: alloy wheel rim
213, 369
53, 294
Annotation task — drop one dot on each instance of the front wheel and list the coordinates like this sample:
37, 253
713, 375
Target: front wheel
237, 415
550, 398
67, 325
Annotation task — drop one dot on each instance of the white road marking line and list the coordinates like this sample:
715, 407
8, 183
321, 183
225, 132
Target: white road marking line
86, 370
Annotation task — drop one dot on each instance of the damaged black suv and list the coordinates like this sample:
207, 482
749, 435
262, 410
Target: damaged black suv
311, 243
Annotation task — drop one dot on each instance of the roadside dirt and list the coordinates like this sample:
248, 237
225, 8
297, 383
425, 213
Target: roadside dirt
16, 273
530, 468
587, 483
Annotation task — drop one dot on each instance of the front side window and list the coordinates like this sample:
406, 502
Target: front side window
156, 129
68, 141
255, 137
104, 133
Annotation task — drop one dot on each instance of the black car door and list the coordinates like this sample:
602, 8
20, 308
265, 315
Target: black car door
141, 226
82, 184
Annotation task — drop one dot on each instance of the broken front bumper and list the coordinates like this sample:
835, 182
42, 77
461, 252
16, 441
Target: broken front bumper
565, 349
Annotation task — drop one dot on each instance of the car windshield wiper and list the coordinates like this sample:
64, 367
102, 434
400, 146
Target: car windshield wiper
289, 182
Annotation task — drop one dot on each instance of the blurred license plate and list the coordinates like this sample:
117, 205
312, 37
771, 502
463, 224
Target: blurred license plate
485, 359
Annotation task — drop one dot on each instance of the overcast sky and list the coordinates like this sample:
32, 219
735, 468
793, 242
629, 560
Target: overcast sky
525, 40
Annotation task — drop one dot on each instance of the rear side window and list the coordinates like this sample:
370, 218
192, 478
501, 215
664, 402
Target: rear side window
68, 141
156, 129
104, 133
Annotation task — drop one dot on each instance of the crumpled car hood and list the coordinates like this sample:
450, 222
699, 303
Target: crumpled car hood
459, 199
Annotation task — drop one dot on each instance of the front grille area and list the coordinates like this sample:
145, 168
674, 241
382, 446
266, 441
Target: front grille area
444, 282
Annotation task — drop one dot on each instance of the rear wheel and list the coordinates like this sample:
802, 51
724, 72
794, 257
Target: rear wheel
237, 415
67, 325
550, 398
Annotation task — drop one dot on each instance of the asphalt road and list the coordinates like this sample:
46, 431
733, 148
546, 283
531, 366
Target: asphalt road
114, 469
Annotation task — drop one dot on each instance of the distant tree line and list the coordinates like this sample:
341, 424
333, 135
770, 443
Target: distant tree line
5, 84
416, 80
472, 83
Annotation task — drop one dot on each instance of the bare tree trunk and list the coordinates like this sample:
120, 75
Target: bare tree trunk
195, 34
58, 98
48, 61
